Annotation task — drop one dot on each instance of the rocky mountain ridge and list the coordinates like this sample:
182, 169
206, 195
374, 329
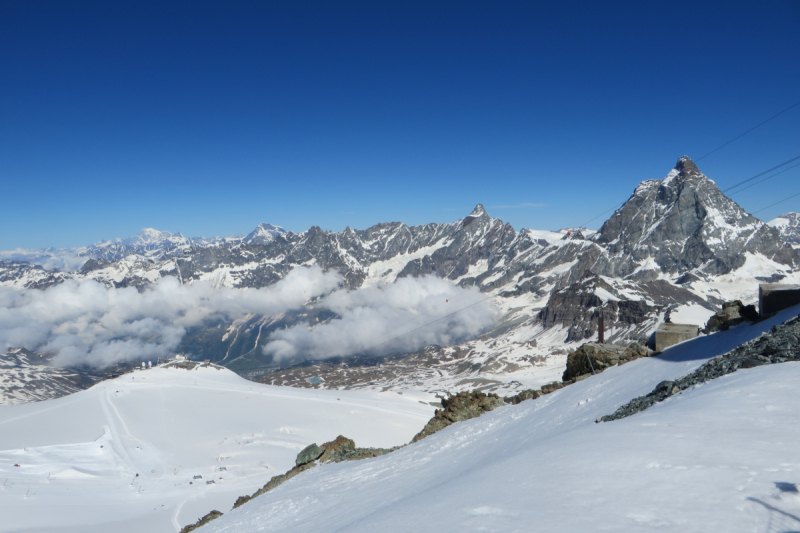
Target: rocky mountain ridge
788, 225
27, 376
677, 243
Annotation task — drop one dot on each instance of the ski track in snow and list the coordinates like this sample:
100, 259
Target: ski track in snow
79, 455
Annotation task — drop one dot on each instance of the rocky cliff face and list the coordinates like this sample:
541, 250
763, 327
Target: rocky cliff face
682, 223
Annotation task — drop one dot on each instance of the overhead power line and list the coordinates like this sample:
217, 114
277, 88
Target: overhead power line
718, 148
583, 225
748, 131
762, 173
765, 179
776, 203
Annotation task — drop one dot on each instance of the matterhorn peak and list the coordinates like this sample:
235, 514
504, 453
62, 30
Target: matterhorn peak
686, 167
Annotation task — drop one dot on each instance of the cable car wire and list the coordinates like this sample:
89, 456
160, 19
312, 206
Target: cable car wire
765, 179
761, 174
748, 131
776, 203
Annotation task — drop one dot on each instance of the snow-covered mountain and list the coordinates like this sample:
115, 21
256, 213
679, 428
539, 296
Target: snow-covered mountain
29, 377
788, 225
263, 234
153, 450
677, 246
150, 244
715, 457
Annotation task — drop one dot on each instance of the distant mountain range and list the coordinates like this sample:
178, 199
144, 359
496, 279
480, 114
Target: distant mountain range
678, 246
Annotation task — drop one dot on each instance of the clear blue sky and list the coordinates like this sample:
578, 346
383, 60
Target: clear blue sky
210, 117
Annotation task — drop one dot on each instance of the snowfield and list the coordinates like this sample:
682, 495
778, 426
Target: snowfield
719, 457
79, 455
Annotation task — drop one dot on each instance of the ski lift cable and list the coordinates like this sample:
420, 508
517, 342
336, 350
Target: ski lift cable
748, 131
776, 203
711, 152
369, 348
617, 206
765, 179
761, 174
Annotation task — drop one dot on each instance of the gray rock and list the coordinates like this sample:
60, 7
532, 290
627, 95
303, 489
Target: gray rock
731, 314
312, 452
462, 406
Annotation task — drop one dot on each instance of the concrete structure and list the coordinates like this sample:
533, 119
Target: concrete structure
669, 334
774, 297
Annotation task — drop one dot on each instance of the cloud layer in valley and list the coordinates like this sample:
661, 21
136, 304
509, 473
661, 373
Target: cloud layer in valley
88, 323
397, 317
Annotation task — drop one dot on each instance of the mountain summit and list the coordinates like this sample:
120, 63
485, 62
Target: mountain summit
683, 222
264, 233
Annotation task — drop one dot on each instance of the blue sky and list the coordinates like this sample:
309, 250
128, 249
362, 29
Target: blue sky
210, 117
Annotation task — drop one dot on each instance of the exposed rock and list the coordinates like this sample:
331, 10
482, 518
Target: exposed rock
779, 345
731, 314
522, 396
274, 482
201, 522
593, 358
336, 449
312, 452
552, 387
462, 406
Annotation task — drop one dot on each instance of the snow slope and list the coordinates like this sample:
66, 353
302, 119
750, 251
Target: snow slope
79, 455
718, 457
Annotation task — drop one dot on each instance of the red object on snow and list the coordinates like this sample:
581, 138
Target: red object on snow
15, 464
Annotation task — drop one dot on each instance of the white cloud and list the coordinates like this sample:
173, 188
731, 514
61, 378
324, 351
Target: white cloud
88, 323
402, 316
62, 259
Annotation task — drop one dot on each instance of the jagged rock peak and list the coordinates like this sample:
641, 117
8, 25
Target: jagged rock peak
681, 223
478, 211
686, 167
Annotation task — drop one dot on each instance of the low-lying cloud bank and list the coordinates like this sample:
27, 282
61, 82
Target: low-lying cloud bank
85, 322
398, 317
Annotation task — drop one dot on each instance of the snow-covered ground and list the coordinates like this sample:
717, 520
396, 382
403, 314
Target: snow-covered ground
79, 455
719, 457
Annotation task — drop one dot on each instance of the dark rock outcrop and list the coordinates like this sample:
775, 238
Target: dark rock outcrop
731, 314
338, 450
312, 452
462, 406
201, 522
523, 396
779, 345
593, 358
274, 482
